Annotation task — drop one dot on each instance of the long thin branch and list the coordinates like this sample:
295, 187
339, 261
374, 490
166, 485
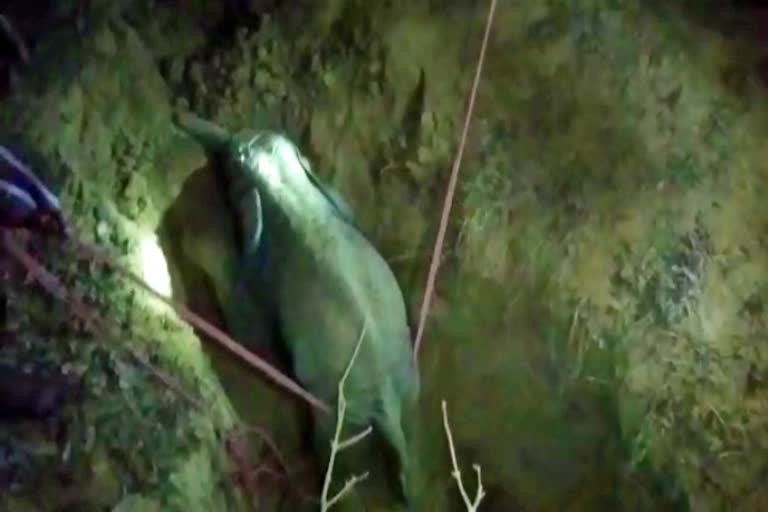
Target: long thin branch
472, 506
226, 341
264, 436
438, 248
34, 270
13, 34
348, 486
343, 445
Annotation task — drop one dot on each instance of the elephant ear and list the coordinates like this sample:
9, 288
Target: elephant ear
333, 197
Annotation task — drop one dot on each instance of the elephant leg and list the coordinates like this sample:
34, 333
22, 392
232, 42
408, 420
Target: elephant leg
389, 426
394, 436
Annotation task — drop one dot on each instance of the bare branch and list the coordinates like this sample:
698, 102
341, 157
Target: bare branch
472, 506
9, 30
336, 444
343, 445
267, 439
348, 485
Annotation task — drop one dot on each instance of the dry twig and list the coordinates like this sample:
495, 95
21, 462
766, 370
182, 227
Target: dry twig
472, 506
10, 31
337, 445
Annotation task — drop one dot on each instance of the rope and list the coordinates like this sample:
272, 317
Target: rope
438, 247
276, 376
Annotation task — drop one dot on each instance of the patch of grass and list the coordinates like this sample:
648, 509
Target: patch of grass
665, 281
682, 170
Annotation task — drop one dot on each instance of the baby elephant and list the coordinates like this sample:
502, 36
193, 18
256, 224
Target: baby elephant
323, 280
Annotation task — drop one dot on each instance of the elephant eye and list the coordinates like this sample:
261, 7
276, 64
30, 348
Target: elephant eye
243, 154
302, 159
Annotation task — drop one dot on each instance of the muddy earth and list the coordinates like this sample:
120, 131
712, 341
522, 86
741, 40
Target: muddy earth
599, 324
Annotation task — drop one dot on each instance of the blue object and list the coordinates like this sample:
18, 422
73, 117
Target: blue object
15, 205
25, 202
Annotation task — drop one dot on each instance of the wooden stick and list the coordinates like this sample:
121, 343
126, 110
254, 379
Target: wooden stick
13, 34
209, 329
438, 248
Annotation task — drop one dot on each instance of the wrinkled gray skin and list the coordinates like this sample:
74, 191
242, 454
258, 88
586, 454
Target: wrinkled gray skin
324, 279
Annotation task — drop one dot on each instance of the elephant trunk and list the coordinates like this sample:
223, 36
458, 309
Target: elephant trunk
212, 136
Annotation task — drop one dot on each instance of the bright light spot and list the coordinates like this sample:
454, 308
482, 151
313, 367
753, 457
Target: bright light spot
154, 268
269, 170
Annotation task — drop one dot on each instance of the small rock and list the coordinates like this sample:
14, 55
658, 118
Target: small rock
424, 155
242, 36
104, 43
102, 231
196, 73
427, 120
281, 90
316, 66
269, 99
176, 71
261, 78
420, 173
338, 119
328, 78
240, 75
